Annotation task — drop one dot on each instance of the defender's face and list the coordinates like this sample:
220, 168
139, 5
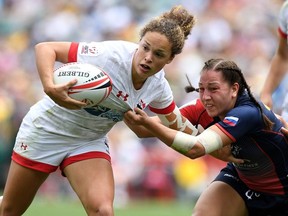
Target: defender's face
217, 96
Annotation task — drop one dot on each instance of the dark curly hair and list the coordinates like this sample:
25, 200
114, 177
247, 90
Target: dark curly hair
175, 24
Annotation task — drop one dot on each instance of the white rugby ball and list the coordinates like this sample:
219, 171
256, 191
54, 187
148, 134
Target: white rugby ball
93, 84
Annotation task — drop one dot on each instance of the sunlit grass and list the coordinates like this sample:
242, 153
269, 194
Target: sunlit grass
48, 207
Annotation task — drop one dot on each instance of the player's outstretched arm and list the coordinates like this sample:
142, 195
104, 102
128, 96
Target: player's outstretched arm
173, 120
223, 154
139, 130
192, 146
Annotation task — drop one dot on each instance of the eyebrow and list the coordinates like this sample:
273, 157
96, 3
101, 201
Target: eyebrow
210, 83
158, 50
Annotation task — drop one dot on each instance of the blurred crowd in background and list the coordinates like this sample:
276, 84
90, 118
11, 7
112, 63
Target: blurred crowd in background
241, 30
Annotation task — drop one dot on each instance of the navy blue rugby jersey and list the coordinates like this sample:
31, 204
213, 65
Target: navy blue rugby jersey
265, 151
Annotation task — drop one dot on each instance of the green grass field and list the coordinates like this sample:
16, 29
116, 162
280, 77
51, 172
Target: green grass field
45, 207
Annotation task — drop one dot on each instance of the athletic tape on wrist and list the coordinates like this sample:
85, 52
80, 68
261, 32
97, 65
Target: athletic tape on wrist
191, 126
181, 125
210, 140
183, 142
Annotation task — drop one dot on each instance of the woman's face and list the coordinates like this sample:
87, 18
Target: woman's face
216, 94
153, 53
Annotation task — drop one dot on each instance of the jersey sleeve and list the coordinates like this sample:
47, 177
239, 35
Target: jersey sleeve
72, 55
163, 103
241, 121
195, 112
92, 52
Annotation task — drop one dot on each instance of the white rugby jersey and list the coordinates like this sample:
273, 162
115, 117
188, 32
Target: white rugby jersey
115, 58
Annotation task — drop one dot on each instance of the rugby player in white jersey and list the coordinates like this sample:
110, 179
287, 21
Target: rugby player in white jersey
58, 132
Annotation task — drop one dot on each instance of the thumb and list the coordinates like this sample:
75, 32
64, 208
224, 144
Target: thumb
71, 83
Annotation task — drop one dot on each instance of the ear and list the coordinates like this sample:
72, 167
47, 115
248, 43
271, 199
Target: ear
235, 89
170, 60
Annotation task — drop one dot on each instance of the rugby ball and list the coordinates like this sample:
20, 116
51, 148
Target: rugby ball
93, 84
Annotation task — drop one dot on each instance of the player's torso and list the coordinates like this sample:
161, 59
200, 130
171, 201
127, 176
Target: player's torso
264, 151
115, 58
124, 97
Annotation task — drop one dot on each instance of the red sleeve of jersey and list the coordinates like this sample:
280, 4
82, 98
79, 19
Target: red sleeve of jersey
196, 113
72, 55
281, 33
189, 112
164, 111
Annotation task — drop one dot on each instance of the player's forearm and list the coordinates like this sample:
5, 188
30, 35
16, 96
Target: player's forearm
46, 54
45, 59
160, 131
191, 146
139, 130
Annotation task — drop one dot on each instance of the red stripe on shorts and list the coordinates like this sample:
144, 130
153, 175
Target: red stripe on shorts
84, 156
31, 164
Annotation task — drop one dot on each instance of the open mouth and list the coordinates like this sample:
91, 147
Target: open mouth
145, 68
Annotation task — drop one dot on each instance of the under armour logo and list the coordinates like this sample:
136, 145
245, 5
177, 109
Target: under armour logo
122, 95
24, 147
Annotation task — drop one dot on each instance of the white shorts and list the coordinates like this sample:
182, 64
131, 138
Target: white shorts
40, 148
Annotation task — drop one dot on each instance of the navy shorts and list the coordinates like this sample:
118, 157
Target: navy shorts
258, 204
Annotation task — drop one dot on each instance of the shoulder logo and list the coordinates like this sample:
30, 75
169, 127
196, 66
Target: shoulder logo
89, 50
231, 120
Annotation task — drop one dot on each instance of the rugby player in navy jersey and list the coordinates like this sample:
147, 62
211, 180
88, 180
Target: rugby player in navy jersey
259, 184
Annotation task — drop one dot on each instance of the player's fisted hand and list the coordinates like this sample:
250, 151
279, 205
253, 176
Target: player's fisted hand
128, 117
59, 94
137, 116
140, 112
131, 117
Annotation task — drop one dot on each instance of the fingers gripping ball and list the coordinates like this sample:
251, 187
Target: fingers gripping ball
93, 84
